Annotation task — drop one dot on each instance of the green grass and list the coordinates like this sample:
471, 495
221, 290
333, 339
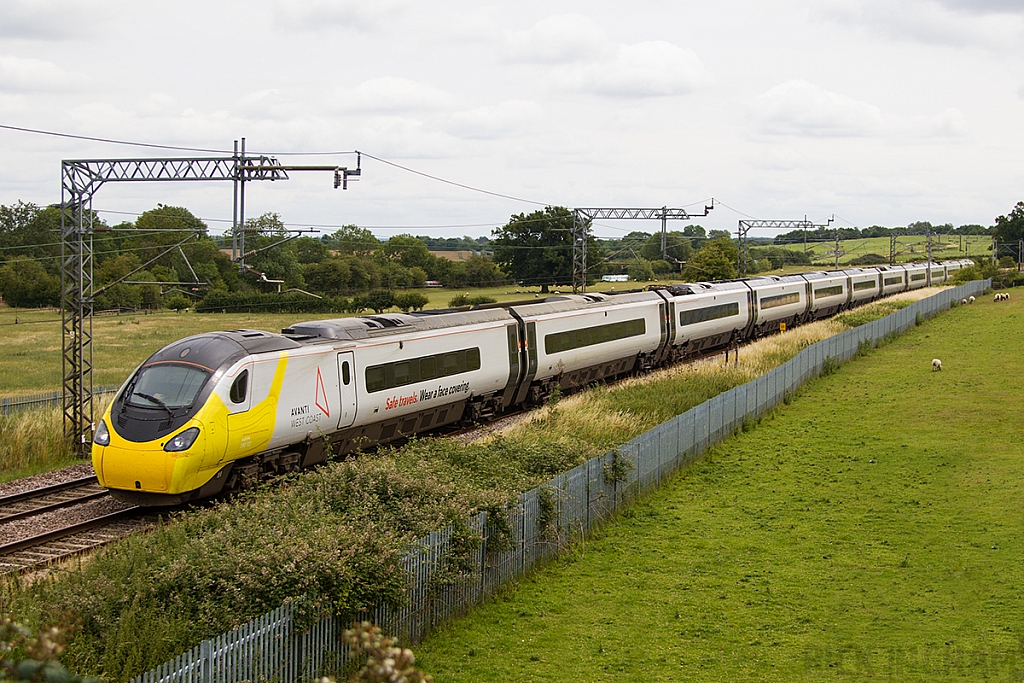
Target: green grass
867, 531
908, 248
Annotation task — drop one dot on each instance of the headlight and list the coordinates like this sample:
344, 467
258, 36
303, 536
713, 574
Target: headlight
102, 435
183, 441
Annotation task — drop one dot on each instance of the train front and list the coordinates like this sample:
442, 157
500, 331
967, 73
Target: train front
162, 440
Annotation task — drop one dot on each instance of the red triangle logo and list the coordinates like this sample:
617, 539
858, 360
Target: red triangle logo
321, 395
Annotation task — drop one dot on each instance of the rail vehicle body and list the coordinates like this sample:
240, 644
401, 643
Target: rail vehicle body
212, 412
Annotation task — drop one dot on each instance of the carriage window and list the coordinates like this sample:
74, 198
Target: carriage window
867, 284
915, 278
898, 280
428, 367
588, 336
239, 387
780, 300
401, 373
828, 291
702, 315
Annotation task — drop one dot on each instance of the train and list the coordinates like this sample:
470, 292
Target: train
216, 412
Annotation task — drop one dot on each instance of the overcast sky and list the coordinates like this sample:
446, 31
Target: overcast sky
879, 112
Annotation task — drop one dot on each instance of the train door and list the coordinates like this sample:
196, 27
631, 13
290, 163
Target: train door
239, 420
347, 388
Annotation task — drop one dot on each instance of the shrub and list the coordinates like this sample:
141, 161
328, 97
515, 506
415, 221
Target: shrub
460, 300
220, 301
177, 302
411, 301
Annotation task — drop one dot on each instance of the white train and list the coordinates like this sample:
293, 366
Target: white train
211, 412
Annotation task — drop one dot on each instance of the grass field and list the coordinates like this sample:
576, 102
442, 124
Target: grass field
870, 530
908, 248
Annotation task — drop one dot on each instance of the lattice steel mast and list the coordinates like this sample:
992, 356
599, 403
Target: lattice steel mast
582, 218
746, 225
80, 180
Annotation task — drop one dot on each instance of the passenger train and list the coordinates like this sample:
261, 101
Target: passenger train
213, 412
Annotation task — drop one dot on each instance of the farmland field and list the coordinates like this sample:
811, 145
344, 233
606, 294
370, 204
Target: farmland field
869, 530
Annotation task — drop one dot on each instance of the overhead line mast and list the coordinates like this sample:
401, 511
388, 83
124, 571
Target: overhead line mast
746, 225
80, 180
582, 218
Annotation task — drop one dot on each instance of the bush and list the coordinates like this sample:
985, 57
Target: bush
869, 260
411, 301
177, 302
379, 301
219, 301
460, 300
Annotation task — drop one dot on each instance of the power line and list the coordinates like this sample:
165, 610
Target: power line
455, 184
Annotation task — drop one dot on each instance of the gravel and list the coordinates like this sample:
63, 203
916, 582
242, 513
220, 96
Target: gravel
46, 479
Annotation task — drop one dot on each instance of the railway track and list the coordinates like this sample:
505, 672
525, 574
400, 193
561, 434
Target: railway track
51, 523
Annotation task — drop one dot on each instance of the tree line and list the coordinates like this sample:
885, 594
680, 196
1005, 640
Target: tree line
167, 258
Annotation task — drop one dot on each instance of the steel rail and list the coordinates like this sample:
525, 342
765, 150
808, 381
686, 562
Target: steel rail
40, 539
44, 490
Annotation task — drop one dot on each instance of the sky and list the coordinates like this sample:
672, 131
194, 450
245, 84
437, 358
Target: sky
875, 112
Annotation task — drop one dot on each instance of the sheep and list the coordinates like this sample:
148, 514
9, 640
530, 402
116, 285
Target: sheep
963, 302
1002, 296
936, 365
970, 300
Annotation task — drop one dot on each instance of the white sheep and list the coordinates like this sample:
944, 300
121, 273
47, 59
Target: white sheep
971, 300
964, 302
936, 365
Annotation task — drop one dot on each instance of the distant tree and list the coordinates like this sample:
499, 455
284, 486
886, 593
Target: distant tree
481, 271
716, 261
536, 248
641, 271
719, 235
352, 240
26, 284
677, 247
309, 250
1010, 228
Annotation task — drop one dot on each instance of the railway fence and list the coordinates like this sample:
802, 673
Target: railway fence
50, 399
544, 522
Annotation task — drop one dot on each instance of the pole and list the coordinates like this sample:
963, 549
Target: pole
241, 218
664, 229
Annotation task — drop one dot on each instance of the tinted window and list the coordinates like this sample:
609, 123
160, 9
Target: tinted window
175, 386
700, 315
780, 300
401, 373
346, 373
588, 336
239, 387
828, 291
867, 284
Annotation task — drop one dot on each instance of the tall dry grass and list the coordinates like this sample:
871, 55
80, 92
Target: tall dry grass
33, 441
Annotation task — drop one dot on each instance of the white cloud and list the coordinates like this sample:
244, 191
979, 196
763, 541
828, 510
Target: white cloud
650, 69
931, 21
25, 74
391, 94
49, 19
497, 121
800, 108
985, 6
319, 15
557, 40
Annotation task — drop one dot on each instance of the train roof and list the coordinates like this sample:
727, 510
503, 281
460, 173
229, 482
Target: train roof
365, 327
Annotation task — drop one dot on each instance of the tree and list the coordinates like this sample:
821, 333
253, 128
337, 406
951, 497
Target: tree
677, 247
719, 235
352, 240
1010, 228
25, 283
716, 261
536, 248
